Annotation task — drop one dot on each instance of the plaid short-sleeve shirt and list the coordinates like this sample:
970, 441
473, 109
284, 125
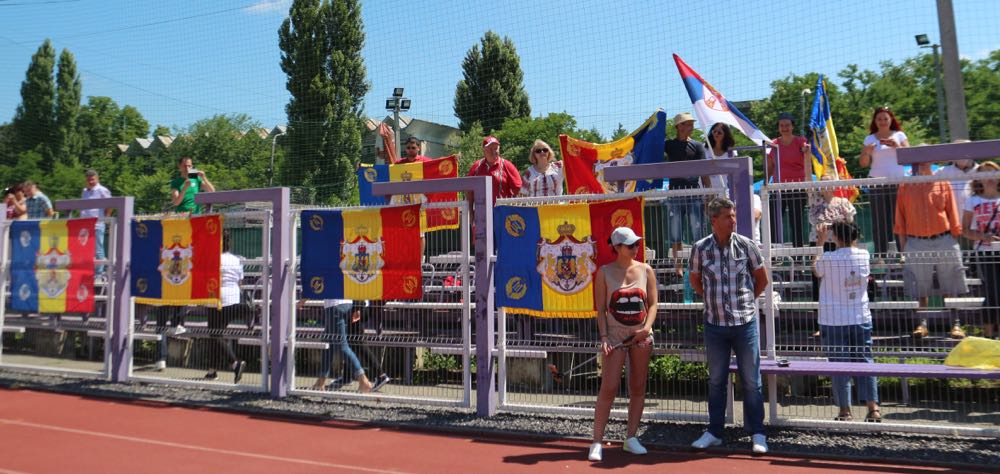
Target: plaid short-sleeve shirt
727, 278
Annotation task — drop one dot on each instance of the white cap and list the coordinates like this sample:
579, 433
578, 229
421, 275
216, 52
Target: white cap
624, 235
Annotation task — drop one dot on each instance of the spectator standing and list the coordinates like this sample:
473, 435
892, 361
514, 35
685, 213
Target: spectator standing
788, 162
825, 208
845, 320
336, 313
17, 207
545, 176
38, 204
688, 209
626, 295
186, 185
506, 179
960, 174
879, 153
413, 149
981, 224
231, 275
727, 270
928, 225
94, 190
718, 146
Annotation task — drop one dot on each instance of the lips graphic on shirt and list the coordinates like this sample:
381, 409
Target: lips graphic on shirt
628, 306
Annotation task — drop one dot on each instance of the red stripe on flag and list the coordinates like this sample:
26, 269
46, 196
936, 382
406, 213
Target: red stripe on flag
80, 244
206, 256
446, 167
401, 276
578, 162
608, 215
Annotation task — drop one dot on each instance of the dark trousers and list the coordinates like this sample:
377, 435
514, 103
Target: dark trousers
793, 205
883, 210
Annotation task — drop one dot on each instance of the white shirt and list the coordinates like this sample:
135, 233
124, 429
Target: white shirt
757, 206
97, 192
330, 303
718, 180
843, 291
884, 162
537, 184
231, 275
961, 182
985, 217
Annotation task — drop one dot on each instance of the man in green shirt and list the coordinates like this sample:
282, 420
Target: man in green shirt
184, 187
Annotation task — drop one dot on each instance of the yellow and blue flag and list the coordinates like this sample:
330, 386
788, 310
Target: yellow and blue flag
177, 262
362, 254
52, 266
547, 255
585, 162
823, 137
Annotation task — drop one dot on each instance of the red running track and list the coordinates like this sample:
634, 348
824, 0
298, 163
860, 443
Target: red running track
54, 433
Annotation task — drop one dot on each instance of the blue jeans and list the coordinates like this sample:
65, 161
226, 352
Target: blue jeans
852, 343
99, 252
720, 342
335, 324
683, 210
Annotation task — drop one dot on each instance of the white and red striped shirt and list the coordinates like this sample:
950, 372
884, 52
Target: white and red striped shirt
538, 184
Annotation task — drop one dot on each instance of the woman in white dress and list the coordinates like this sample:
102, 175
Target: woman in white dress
545, 175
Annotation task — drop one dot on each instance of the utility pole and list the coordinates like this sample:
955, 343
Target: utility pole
958, 122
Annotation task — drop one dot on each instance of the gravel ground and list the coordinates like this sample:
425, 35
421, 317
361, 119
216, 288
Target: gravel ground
973, 453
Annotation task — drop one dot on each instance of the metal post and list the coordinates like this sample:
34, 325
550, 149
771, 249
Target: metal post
939, 90
953, 88
281, 272
274, 142
395, 132
119, 309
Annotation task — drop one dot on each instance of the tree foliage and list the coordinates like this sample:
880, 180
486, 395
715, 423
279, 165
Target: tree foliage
66, 141
491, 90
34, 121
321, 43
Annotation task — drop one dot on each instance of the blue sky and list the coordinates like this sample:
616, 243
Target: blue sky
603, 62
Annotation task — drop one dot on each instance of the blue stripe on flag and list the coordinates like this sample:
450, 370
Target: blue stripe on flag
322, 234
648, 147
147, 240
25, 239
368, 175
517, 234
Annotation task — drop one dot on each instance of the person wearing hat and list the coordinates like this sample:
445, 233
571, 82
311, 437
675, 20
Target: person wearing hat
684, 210
506, 179
625, 290
727, 270
788, 162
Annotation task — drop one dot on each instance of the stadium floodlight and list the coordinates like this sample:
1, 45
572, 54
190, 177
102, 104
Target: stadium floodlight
395, 104
922, 40
397, 92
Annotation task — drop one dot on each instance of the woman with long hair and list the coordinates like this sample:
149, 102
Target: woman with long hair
879, 154
981, 225
789, 162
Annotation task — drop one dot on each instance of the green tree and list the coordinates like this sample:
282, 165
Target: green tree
517, 135
102, 125
982, 94
162, 131
66, 141
492, 88
619, 132
321, 45
33, 121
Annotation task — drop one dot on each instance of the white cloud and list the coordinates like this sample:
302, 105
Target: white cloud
981, 54
269, 6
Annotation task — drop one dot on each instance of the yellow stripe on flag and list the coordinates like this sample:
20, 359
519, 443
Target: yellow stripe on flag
368, 225
52, 232
409, 172
550, 219
177, 236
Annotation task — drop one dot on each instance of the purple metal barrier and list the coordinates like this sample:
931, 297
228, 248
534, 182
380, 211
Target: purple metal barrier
738, 169
482, 211
983, 150
281, 272
119, 310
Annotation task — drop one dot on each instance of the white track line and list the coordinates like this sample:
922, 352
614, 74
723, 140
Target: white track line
169, 444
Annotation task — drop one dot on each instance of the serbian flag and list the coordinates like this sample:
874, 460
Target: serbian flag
430, 219
547, 255
362, 254
52, 266
176, 262
712, 107
585, 162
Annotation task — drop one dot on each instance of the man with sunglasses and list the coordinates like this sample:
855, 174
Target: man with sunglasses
727, 271
412, 150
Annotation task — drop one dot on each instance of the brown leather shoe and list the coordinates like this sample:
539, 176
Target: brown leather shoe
920, 331
957, 332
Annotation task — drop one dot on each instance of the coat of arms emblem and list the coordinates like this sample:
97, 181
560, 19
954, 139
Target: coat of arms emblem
567, 264
361, 259
53, 270
175, 262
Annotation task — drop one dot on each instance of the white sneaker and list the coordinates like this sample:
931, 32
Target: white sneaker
707, 439
759, 444
632, 445
160, 365
595, 452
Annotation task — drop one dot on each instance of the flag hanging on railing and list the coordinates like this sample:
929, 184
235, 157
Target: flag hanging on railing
362, 254
176, 262
52, 266
823, 137
431, 219
712, 107
547, 255
585, 162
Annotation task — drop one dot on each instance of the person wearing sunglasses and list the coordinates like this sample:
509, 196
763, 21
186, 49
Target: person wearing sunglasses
545, 175
411, 150
625, 296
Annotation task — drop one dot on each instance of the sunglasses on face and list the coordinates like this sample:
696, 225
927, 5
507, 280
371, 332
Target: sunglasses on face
633, 245
541, 150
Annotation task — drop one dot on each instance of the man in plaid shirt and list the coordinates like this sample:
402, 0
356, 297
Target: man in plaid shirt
728, 271
39, 205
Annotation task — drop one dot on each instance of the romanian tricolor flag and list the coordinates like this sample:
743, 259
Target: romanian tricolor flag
547, 255
431, 219
362, 254
823, 137
585, 162
176, 262
52, 266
